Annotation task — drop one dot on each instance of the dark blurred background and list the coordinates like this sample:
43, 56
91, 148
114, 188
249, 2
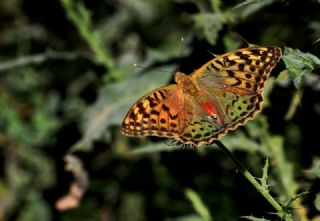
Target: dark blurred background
67, 80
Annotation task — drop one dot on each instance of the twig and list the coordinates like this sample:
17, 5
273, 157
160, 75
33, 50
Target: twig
255, 183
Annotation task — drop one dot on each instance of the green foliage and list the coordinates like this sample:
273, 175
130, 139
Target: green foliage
249, 7
317, 202
109, 108
252, 218
299, 64
67, 80
198, 205
265, 175
315, 168
80, 16
210, 25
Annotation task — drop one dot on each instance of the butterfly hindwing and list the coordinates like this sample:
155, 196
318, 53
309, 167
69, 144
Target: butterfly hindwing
198, 125
232, 111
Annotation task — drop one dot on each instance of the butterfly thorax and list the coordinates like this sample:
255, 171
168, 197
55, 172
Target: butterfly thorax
185, 82
189, 87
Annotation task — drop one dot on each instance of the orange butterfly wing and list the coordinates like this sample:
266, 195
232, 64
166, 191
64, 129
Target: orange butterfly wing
158, 113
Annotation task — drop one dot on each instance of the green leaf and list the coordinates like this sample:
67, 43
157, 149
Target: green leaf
317, 202
38, 59
240, 141
289, 203
294, 104
114, 101
265, 175
249, 7
80, 16
192, 217
315, 168
209, 25
216, 5
284, 168
170, 48
132, 205
254, 218
198, 205
35, 208
299, 64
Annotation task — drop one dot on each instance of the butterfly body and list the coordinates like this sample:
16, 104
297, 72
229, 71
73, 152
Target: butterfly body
192, 91
217, 98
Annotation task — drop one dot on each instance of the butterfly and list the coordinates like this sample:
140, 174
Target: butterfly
217, 98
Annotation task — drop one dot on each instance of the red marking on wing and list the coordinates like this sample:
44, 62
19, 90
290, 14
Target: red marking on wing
209, 108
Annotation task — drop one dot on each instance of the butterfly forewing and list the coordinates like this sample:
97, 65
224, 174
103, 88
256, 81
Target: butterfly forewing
156, 114
241, 72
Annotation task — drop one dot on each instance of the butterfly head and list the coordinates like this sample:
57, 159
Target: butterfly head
186, 83
180, 77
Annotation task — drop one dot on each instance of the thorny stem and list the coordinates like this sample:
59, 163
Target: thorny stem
254, 182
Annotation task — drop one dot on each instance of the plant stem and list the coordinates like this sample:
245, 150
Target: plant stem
80, 17
254, 182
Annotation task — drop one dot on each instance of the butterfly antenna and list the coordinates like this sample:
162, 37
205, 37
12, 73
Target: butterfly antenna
247, 42
181, 50
143, 67
214, 55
